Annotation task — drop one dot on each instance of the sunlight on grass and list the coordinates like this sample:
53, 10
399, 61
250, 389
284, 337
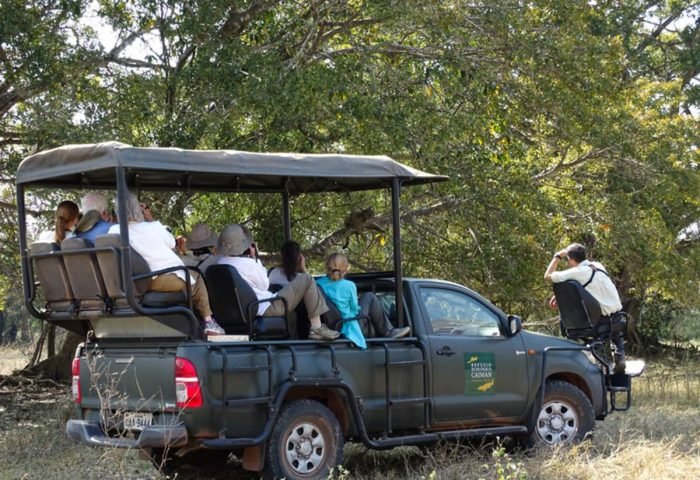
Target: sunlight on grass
13, 358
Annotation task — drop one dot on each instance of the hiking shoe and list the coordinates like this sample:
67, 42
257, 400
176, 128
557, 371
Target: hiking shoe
398, 332
322, 333
213, 328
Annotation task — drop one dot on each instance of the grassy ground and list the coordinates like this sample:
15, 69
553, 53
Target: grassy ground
658, 438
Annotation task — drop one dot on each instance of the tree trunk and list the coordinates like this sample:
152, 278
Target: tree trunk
633, 307
56, 367
25, 329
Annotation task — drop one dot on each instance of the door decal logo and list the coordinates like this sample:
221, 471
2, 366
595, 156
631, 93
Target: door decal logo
479, 373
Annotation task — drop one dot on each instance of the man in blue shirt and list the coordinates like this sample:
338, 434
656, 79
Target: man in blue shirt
96, 218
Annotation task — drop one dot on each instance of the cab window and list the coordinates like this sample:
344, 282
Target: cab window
455, 313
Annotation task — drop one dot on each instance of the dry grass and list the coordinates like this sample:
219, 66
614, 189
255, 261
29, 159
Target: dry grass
13, 358
658, 438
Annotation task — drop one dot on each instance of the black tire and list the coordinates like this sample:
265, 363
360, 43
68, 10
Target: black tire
305, 444
565, 417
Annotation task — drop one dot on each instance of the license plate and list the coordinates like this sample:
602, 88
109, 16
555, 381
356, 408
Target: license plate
137, 421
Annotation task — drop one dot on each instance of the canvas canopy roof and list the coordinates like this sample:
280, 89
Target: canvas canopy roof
93, 166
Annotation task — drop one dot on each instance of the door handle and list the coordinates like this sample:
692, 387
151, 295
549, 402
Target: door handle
446, 351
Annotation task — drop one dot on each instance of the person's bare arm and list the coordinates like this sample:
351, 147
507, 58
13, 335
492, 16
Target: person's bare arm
553, 264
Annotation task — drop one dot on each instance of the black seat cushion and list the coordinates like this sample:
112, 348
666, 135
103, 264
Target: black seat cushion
232, 302
164, 299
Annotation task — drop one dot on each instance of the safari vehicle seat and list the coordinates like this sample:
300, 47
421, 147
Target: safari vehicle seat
53, 279
108, 259
234, 304
580, 315
334, 319
581, 319
84, 276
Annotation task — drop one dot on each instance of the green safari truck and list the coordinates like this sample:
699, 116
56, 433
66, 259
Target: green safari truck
147, 378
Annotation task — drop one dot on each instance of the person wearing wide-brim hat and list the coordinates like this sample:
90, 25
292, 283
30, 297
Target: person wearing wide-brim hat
237, 248
197, 249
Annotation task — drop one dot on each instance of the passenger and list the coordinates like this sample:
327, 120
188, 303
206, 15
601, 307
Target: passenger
146, 210
197, 250
584, 271
343, 294
155, 245
293, 262
237, 249
67, 217
96, 217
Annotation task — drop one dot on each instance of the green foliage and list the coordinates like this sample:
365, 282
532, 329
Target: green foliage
668, 319
504, 467
556, 121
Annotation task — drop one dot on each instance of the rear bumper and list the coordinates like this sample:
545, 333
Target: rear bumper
156, 436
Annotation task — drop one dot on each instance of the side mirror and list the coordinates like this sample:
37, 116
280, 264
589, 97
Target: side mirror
515, 324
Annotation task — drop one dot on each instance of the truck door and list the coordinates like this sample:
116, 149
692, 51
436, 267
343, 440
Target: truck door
478, 370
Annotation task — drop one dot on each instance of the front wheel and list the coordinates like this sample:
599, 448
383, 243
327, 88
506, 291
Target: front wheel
565, 417
305, 444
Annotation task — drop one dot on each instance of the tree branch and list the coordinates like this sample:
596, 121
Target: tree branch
573, 163
657, 31
238, 20
341, 234
12, 206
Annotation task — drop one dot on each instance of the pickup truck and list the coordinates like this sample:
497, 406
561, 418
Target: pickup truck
146, 378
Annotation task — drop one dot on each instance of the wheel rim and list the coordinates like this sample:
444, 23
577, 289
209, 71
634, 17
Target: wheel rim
557, 423
305, 448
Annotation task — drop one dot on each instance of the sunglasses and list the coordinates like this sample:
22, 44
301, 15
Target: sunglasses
145, 207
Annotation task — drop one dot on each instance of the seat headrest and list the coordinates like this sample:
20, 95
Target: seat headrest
74, 243
43, 247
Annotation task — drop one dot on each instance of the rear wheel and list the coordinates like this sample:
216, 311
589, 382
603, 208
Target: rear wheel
305, 444
566, 416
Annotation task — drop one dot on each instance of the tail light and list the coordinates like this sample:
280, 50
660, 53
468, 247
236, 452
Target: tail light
75, 387
187, 388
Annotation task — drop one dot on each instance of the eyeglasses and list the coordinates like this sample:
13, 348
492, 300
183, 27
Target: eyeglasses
145, 207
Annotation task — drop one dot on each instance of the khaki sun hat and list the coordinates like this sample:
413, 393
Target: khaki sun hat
234, 240
200, 237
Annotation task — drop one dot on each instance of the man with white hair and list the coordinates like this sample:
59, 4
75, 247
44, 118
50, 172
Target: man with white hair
96, 217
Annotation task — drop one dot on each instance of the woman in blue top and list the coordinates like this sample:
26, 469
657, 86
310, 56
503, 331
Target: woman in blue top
343, 294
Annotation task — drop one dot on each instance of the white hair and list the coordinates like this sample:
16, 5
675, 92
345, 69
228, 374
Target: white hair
133, 208
93, 201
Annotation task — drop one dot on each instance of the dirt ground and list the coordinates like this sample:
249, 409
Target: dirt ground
658, 438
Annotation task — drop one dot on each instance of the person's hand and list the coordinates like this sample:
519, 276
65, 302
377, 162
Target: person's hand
302, 263
561, 254
553, 303
181, 244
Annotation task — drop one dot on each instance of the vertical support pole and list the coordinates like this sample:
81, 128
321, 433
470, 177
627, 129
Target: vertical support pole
28, 282
286, 214
125, 251
396, 226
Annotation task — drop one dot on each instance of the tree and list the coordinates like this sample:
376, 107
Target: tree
556, 122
